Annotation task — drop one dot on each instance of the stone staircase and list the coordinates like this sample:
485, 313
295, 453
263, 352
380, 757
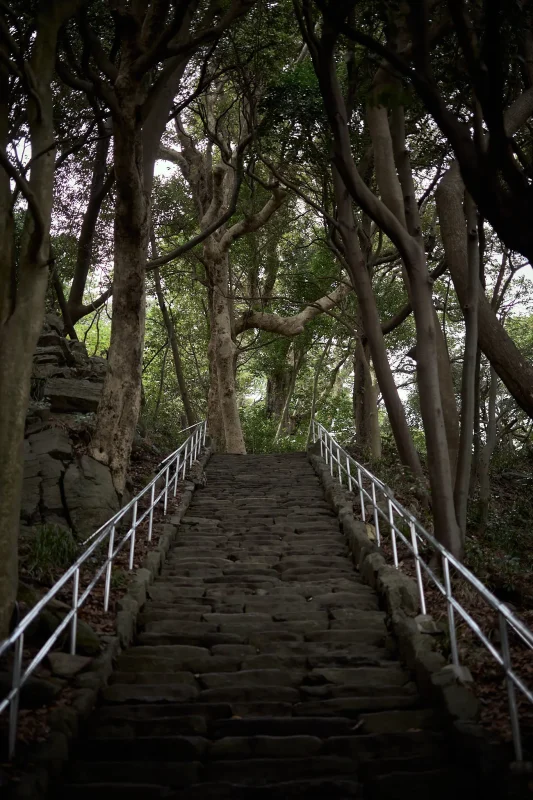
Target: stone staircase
263, 667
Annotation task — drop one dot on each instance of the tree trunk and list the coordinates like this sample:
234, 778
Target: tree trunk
511, 366
394, 177
101, 183
372, 326
446, 528
468, 387
119, 406
277, 386
169, 324
367, 431
215, 424
283, 425
224, 347
486, 454
318, 369
23, 292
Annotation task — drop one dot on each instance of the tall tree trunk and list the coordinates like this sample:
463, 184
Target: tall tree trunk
318, 369
215, 424
101, 183
224, 346
23, 292
396, 185
446, 528
120, 402
367, 430
283, 425
171, 331
512, 367
468, 387
372, 326
486, 453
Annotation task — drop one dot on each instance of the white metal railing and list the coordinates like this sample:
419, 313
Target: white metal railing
372, 489
108, 534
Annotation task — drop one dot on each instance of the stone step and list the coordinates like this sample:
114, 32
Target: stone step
197, 639
257, 771
332, 787
322, 727
263, 667
145, 748
149, 693
439, 784
168, 773
354, 706
112, 791
400, 721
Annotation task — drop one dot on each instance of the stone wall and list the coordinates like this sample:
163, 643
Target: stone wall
62, 485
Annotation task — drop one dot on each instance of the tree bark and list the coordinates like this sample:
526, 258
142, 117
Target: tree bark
446, 528
120, 402
512, 367
394, 177
372, 326
215, 423
283, 424
171, 331
101, 183
367, 431
22, 298
224, 347
468, 387
486, 454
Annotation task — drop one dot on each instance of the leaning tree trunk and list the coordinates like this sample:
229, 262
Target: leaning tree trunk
372, 326
446, 528
394, 178
171, 331
512, 367
120, 402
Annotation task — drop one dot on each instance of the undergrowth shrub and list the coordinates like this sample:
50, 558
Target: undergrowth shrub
52, 548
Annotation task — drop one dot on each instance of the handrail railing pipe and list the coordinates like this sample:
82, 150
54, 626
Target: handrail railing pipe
418, 538
106, 536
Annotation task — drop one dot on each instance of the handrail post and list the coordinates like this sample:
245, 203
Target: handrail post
109, 568
74, 623
418, 568
184, 462
331, 455
133, 533
321, 439
151, 515
14, 705
393, 533
511, 695
376, 515
361, 493
176, 474
167, 471
349, 471
339, 464
451, 611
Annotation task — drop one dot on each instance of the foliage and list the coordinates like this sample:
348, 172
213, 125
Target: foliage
52, 549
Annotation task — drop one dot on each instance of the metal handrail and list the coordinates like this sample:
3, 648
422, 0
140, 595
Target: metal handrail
356, 474
172, 466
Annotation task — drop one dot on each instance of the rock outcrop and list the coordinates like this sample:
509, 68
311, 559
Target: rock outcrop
62, 486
